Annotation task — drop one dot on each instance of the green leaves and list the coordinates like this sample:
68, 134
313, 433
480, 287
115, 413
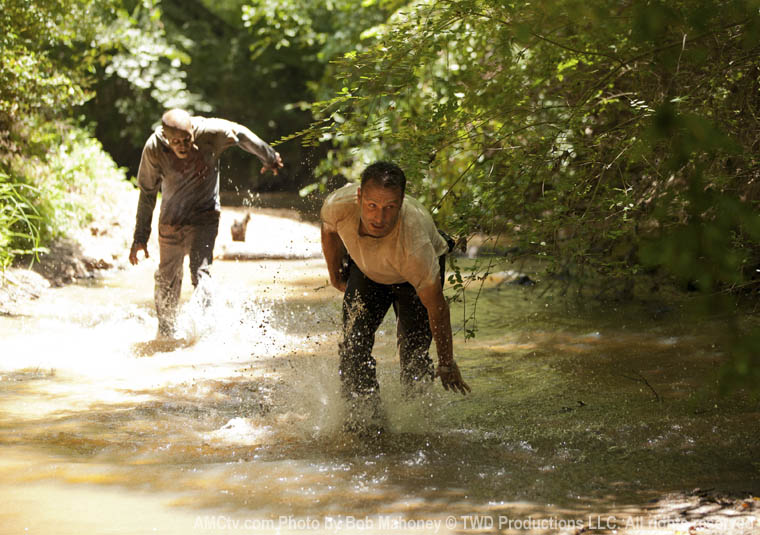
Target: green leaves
19, 221
536, 117
50, 185
46, 54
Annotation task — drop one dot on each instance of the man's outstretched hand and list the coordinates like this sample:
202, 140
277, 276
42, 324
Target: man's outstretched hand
275, 167
451, 378
133, 252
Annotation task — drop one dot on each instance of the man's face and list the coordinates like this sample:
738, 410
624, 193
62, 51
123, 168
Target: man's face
379, 208
180, 141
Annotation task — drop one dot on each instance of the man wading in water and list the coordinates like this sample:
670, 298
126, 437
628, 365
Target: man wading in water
181, 159
395, 257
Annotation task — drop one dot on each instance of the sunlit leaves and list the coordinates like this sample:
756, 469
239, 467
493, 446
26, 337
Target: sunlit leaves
140, 54
550, 105
322, 28
43, 60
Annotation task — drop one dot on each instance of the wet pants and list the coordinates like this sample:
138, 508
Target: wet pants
174, 242
365, 304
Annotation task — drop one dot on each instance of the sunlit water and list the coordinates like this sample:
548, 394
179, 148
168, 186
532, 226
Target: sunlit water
237, 427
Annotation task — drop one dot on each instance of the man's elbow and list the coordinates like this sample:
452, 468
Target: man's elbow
329, 236
433, 300
440, 310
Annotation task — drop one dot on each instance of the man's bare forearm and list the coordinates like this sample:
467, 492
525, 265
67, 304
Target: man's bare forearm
440, 326
440, 321
334, 251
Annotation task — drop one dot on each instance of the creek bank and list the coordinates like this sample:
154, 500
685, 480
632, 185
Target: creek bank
81, 253
102, 246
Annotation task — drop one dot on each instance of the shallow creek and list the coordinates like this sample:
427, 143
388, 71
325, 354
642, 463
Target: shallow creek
595, 420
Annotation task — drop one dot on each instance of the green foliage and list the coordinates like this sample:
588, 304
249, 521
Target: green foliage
607, 138
76, 178
292, 44
140, 74
323, 29
19, 221
51, 187
47, 54
570, 124
49, 50
257, 63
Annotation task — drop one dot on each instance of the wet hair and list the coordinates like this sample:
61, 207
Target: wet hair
178, 120
385, 174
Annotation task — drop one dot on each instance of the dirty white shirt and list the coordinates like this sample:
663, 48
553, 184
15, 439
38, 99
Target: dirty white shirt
409, 253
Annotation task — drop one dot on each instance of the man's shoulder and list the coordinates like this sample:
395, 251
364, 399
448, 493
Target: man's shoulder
342, 198
340, 204
414, 212
211, 125
343, 194
417, 226
155, 144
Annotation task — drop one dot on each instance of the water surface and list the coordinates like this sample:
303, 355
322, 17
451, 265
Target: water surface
576, 414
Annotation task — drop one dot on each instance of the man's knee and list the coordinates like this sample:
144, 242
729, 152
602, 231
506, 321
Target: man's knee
357, 370
200, 270
169, 268
166, 280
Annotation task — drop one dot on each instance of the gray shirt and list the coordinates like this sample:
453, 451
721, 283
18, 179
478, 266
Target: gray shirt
189, 187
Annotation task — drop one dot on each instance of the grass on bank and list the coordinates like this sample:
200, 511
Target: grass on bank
53, 179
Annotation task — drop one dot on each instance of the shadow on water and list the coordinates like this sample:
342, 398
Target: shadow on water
573, 412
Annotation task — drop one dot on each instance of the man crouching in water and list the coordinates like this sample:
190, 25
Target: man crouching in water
181, 159
396, 256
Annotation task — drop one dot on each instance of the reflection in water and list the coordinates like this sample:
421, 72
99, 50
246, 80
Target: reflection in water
238, 422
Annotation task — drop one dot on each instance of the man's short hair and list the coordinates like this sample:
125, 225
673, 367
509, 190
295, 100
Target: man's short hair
385, 174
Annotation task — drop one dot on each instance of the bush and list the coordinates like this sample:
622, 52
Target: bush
54, 183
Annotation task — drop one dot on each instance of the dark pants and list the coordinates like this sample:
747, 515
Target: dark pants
174, 242
365, 304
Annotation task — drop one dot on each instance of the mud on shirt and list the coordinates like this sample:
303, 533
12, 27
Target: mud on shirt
189, 187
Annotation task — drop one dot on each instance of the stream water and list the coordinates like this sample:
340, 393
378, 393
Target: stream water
580, 419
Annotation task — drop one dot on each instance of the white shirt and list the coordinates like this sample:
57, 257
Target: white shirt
409, 253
